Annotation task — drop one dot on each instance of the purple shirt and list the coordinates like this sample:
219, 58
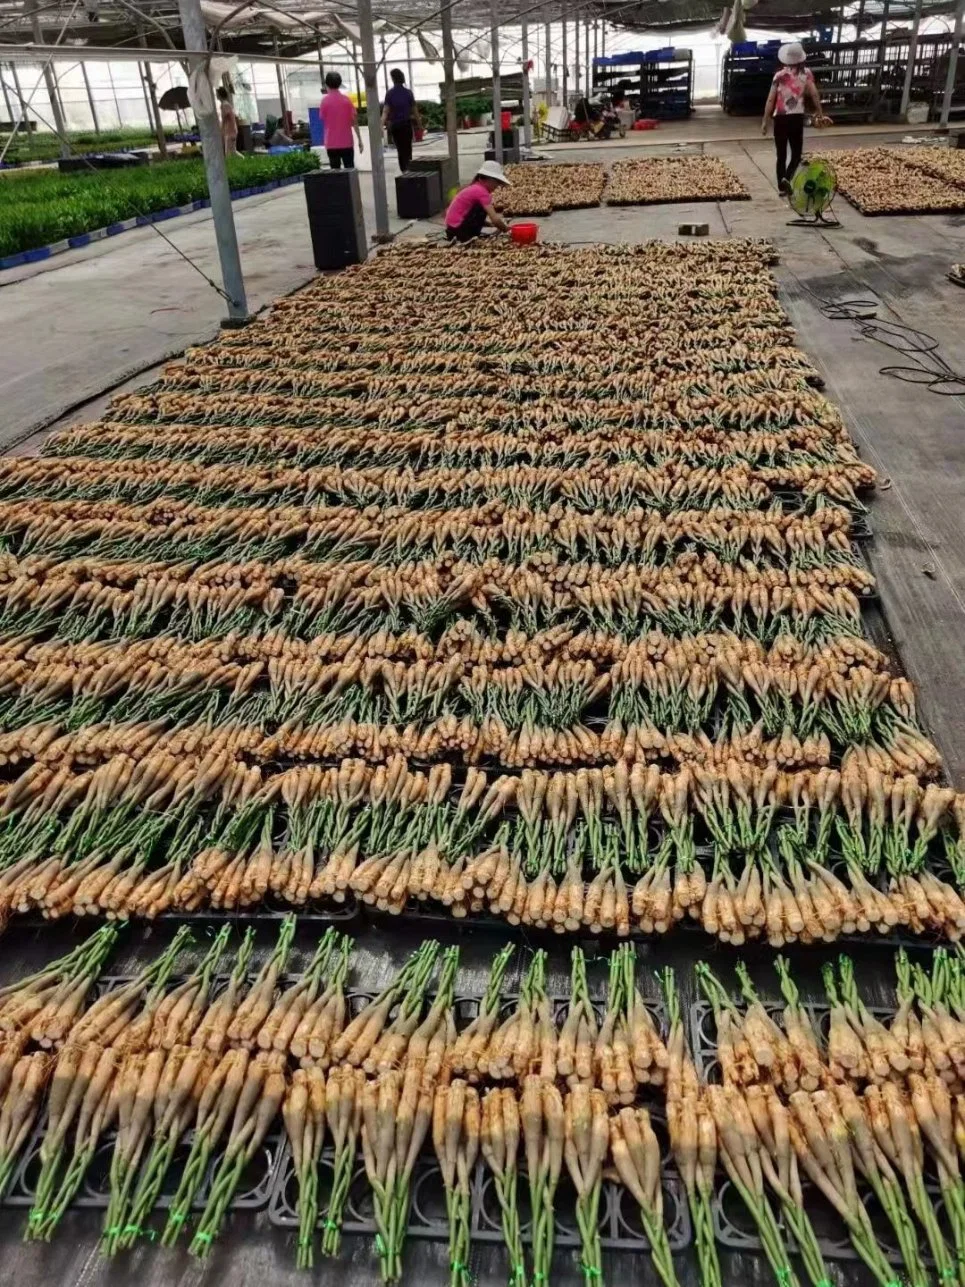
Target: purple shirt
400, 102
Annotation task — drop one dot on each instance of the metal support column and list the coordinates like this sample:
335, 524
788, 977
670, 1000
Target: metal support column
281, 79
20, 98
385, 64
449, 86
857, 37
162, 142
321, 63
587, 71
596, 49
547, 66
50, 80
527, 123
206, 113
142, 76
90, 96
497, 89
566, 75
358, 79
952, 63
912, 55
6, 98
408, 61
374, 118
880, 57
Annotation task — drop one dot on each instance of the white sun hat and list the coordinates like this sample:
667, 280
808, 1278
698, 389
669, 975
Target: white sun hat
493, 170
792, 54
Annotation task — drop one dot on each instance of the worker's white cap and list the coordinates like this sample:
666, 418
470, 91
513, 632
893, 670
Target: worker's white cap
493, 170
792, 54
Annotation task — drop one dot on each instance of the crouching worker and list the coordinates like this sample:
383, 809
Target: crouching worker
473, 205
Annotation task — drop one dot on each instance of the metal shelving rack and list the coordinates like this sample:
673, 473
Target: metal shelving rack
664, 81
858, 79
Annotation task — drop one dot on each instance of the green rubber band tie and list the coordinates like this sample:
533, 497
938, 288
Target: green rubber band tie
178, 1217
304, 1242
202, 1237
783, 1275
36, 1217
109, 1233
948, 1274
330, 1224
590, 1270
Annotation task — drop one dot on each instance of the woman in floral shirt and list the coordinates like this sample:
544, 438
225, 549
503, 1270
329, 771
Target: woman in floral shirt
793, 92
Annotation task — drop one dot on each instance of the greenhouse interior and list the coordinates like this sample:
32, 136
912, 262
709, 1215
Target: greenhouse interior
539, 431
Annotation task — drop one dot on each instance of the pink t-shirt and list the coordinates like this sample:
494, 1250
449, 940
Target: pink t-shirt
790, 83
475, 194
338, 117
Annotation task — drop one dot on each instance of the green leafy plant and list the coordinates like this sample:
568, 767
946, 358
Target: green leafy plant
43, 207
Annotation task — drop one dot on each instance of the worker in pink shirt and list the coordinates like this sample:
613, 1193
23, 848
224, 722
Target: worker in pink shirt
339, 119
473, 205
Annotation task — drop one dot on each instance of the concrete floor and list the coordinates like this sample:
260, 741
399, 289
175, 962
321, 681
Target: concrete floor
75, 326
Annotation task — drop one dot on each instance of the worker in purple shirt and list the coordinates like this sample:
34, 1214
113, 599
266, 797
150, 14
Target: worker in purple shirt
400, 116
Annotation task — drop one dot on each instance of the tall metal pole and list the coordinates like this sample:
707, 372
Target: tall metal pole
497, 89
20, 97
527, 123
603, 38
281, 79
202, 99
162, 143
449, 86
588, 76
953, 62
566, 74
385, 63
912, 55
144, 94
358, 79
408, 61
547, 66
6, 98
90, 96
50, 81
321, 63
596, 54
374, 118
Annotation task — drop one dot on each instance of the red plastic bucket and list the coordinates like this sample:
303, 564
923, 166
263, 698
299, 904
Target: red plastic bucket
524, 234
507, 120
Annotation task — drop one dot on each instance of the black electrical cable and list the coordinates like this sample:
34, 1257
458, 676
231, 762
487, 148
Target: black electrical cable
929, 369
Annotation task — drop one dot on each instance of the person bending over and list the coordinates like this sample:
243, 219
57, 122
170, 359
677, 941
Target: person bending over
473, 205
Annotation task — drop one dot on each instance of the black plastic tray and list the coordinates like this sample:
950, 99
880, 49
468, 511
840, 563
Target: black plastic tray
253, 1192
620, 1226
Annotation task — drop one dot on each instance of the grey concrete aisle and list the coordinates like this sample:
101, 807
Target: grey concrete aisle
84, 321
